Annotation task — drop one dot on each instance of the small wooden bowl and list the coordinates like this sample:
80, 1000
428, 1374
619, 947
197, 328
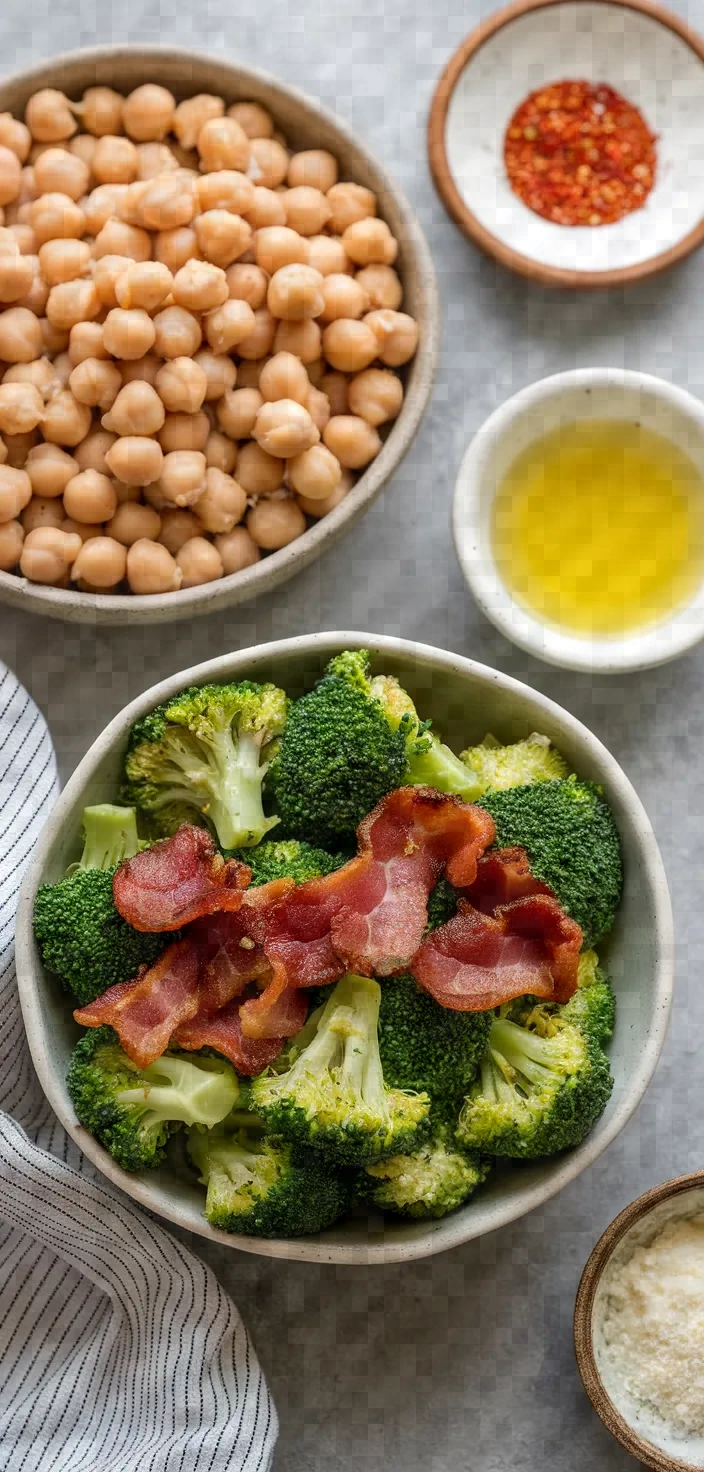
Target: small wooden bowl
635, 46
641, 1220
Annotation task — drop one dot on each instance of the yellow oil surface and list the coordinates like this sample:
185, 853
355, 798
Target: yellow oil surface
598, 527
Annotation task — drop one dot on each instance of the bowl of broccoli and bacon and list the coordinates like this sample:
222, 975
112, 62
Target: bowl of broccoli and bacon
345, 991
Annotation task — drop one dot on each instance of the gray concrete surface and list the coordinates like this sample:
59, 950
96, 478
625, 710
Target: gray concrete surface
463, 1361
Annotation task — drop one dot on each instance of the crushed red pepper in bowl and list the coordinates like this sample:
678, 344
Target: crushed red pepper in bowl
578, 153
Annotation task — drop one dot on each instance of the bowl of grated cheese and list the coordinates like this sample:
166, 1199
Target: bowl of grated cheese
639, 1326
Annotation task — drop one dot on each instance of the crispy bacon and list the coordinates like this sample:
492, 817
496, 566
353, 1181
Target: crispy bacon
478, 961
279, 1012
230, 958
503, 875
178, 880
145, 1012
223, 1032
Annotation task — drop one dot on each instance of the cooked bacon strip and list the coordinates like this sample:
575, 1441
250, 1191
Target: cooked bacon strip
478, 961
145, 1012
223, 1032
291, 923
279, 1012
503, 875
231, 959
177, 880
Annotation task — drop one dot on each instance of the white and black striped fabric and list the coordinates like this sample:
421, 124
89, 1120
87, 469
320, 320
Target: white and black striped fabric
119, 1350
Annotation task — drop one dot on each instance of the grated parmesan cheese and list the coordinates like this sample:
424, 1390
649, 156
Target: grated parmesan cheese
653, 1325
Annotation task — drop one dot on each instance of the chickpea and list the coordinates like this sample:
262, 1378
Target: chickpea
182, 479
343, 297
115, 161
277, 245
50, 469
200, 287
237, 412
167, 203
220, 374
14, 135
258, 473
16, 277
220, 452
223, 144
349, 346
90, 497
132, 521
11, 539
24, 238
222, 237
268, 164
335, 387
266, 210
107, 271
40, 373
376, 395
174, 247
92, 452
135, 460
100, 111
148, 113
181, 385
247, 284
83, 146
82, 528
396, 335
252, 118
101, 561
225, 190
349, 203
60, 172
177, 527
63, 260
47, 553
145, 369
184, 432
318, 508
318, 406
294, 292
307, 210
192, 115
177, 333
21, 408
327, 255
137, 409
101, 205
129, 334
15, 492
143, 284
200, 562
56, 217
284, 377
237, 550
382, 286
352, 440
20, 336
41, 512
285, 428
222, 503
314, 473
273, 524
49, 117
151, 568
257, 344
228, 325
155, 159
36, 298
28, 191
303, 339
370, 242
18, 446
51, 340
72, 302
118, 239
10, 175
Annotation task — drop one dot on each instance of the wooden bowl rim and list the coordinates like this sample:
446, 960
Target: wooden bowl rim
463, 216
277, 567
597, 1261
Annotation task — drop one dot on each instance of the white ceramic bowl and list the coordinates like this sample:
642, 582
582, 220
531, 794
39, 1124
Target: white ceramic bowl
307, 125
583, 393
465, 700
635, 46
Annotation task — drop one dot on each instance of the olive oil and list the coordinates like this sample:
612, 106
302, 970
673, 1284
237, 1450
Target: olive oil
598, 527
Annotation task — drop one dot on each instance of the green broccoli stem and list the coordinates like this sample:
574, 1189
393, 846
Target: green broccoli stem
437, 766
524, 1052
236, 809
110, 836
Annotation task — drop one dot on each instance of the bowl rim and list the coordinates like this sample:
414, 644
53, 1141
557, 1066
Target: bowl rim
464, 217
583, 1334
453, 1230
276, 567
642, 649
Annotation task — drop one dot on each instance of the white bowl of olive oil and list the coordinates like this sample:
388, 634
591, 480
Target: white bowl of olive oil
579, 519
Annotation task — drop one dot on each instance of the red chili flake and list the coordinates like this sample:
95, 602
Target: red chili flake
579, 153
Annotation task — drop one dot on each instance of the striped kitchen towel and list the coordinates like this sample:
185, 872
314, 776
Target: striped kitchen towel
119, 1350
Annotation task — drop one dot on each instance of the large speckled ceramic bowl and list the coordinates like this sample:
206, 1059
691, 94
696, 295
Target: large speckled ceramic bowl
465, 700
306, 125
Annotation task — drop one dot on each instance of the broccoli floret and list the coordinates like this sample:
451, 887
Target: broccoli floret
428, 1048
132, 1111
572, 843
429, 762
259, 1187
288, 859
442, 905
537, 1094
333, 1096
204, 756
498, 767
109, 837
431, 1182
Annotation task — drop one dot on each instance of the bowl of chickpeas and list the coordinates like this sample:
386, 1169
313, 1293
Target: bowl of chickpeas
218, 334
